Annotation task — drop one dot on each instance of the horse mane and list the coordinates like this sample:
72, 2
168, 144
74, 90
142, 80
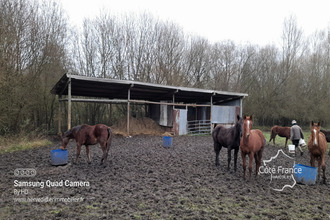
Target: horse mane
71, 132
237, 128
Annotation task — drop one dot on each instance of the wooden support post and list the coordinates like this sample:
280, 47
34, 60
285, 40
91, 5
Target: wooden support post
174, 98
69, 104
59, 117
211, 106
110, 114
241, 107
128, 108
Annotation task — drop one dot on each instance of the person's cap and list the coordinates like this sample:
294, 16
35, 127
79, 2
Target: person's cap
294, 122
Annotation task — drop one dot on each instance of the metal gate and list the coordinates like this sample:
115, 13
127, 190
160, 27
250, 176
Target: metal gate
199, 127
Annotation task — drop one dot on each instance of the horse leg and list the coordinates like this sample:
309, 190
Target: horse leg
107, 148
88, 154
105, 152
323, 169
229, 157
78, 152
286, 142
272, 138
257, 158
217, 148
250, 164
235, 158
256, 161
312, 161
318, 169
244, 163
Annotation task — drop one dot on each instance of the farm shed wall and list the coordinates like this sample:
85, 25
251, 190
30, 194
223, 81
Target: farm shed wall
162, 114
180, 121
199, 113
224, 114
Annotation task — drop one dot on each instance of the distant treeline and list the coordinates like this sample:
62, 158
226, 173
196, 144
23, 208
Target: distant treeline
38, 45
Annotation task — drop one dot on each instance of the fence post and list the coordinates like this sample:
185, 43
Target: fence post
69, 103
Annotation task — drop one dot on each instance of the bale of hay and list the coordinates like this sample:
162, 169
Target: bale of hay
138, 126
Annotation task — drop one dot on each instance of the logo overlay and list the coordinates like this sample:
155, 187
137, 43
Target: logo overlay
281, 170
25, 188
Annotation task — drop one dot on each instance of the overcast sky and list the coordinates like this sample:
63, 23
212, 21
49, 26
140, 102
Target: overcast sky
254, 21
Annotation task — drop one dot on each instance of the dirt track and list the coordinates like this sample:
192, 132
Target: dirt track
146, 181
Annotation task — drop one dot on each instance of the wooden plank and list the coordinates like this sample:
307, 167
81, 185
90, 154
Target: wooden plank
119, 101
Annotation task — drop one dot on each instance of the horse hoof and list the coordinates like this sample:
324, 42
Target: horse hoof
103, 164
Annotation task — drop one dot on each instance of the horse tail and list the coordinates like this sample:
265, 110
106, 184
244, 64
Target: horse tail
273, 133
109, 138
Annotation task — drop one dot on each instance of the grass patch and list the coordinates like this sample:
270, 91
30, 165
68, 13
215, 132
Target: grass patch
12, 144
93, 206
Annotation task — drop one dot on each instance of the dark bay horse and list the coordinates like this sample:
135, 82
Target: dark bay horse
228, 138
252, 144
89, 135
327, 134
317, 145
280, 131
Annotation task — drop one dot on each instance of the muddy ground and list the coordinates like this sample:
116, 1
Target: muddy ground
147, 181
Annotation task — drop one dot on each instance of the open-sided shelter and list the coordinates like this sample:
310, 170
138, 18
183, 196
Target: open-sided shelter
185, 110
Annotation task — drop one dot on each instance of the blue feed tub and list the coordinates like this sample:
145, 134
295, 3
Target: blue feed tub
307, 176
167, 141
59, 157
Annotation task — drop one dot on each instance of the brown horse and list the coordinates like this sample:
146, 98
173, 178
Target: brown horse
89, 135
280, 131
317, 145
252, 144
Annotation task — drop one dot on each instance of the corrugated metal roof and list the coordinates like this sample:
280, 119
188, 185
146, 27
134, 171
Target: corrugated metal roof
118, 89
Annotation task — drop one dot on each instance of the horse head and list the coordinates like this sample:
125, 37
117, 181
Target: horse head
69, 134
247, 125
239, 126
315, 130
65, 139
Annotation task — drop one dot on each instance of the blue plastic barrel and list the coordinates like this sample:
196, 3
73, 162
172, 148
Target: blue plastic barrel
307, 175
59, 157
167, 141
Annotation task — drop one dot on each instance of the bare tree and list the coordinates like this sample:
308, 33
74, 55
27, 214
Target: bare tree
168, 53
197, 63
32, 57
